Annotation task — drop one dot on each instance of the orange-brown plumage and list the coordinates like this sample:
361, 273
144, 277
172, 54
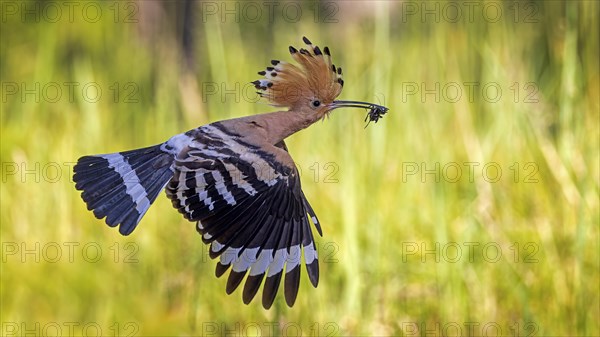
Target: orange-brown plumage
291, 86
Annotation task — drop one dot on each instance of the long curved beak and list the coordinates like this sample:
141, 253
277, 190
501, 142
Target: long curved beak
358, 104
376, 111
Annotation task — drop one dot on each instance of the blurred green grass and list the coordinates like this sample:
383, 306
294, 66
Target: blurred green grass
372, 212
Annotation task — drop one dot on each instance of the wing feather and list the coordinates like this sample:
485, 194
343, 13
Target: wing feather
250, 208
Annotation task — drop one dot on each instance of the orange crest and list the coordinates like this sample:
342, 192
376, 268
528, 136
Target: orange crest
288, 85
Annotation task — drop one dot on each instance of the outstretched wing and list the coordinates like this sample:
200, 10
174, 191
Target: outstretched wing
250, 208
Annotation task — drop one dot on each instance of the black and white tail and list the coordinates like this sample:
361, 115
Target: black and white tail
121, 186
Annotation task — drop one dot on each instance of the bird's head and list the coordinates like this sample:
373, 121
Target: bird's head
310, 87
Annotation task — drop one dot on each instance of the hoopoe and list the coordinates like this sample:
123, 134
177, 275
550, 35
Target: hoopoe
234, 178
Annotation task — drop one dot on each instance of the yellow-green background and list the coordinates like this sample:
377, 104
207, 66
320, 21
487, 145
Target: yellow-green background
371, 212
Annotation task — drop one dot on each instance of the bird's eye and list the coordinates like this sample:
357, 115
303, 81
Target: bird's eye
316, 103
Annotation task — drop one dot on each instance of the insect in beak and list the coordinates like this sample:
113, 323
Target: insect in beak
375, 112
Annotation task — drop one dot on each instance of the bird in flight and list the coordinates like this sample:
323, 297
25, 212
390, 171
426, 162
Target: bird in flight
234, 178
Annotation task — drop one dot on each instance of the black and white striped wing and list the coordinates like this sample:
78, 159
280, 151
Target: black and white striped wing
250, 209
